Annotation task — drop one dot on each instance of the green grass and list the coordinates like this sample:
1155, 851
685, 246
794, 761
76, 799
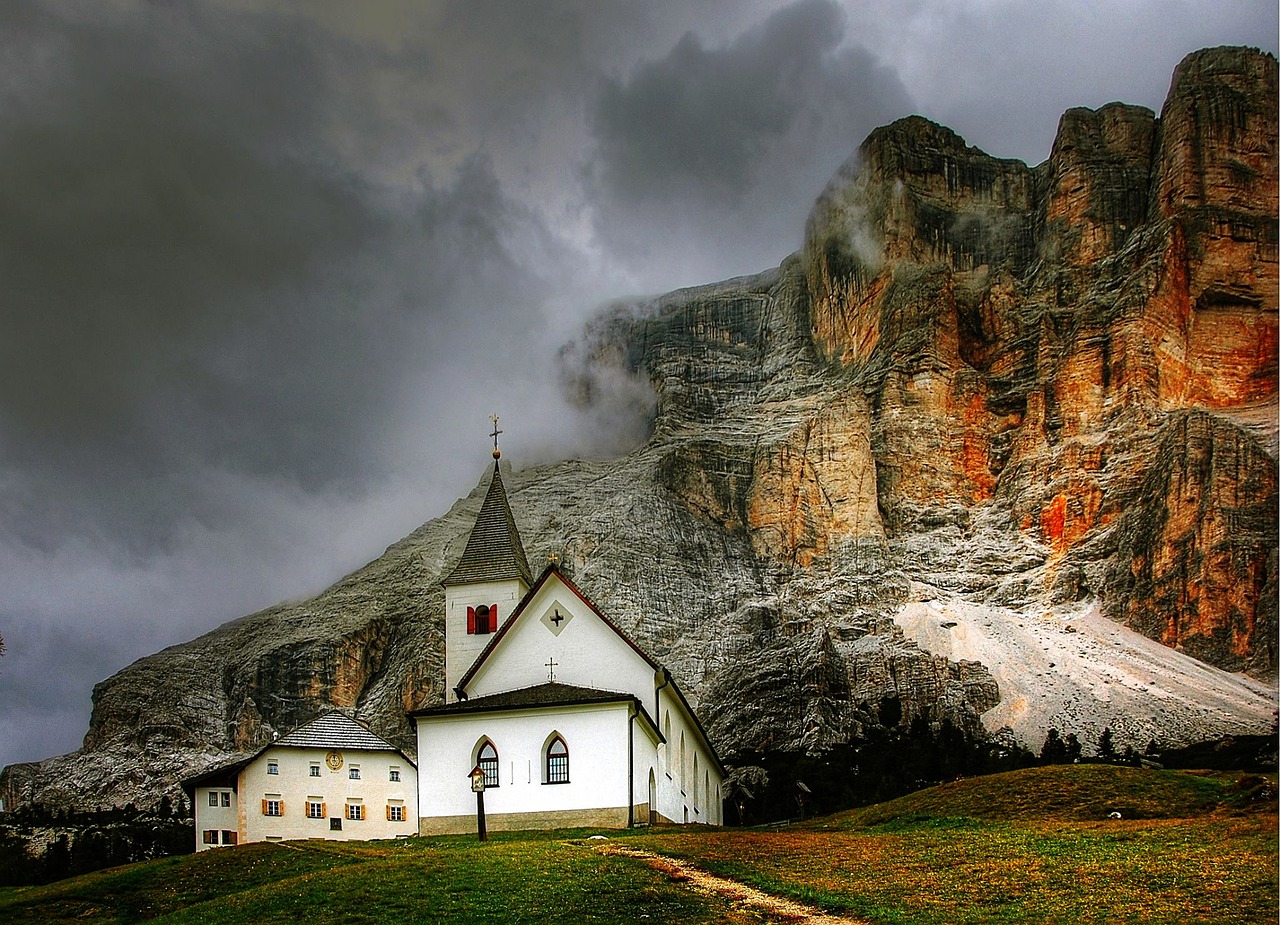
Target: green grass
1031, 846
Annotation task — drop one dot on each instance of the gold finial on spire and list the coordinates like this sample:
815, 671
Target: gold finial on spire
497, 453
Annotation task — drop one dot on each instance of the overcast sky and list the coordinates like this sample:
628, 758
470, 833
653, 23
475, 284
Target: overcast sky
267, 267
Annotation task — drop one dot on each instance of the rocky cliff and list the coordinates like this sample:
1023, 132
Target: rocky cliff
995, 451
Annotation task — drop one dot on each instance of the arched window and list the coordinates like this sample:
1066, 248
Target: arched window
683, 773
557, 761
696, 802
487, 759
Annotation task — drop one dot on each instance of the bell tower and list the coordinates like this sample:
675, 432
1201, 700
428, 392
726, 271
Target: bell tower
488, 582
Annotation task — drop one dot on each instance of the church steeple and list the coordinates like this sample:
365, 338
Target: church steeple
487, 583
494, 551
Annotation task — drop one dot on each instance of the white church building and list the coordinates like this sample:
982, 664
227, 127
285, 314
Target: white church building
571, 722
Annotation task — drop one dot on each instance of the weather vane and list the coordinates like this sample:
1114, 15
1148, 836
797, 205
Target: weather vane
497, 453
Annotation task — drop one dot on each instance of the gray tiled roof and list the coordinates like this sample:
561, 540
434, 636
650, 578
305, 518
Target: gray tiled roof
541, 695
335, 730
494, 551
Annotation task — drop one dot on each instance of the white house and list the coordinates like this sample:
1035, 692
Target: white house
572, 723
330, 778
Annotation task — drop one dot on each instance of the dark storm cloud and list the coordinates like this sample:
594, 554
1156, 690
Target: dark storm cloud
193, 277
720, 150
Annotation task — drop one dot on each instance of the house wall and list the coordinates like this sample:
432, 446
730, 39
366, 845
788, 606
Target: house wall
586, 651
220, 819
596, 795
294, 784
460, 647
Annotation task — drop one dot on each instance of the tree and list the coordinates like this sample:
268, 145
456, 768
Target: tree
1054, 750
1106, 748
1073, 748
743, 784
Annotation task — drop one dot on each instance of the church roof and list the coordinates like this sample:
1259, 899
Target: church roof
541, 695
551, 694
494, 551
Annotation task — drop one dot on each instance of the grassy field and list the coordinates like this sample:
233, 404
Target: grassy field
1030, 846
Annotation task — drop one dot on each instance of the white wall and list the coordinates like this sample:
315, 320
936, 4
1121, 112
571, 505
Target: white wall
595, 734
678, 791
586, 651
461, 648
294, 784
223, 819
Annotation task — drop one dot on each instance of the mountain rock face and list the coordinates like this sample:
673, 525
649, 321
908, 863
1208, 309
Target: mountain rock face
996, 450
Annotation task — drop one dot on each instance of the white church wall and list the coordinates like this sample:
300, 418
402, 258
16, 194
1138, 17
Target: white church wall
461, 648
294, 786
682, 797
586, 651
596, 736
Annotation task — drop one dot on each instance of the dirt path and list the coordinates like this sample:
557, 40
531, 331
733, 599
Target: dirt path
775, 907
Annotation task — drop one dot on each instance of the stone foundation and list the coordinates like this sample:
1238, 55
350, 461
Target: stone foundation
605, 817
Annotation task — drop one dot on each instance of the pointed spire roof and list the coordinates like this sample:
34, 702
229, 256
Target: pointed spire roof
494, 551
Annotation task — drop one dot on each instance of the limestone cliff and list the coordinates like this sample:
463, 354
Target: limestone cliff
995, 449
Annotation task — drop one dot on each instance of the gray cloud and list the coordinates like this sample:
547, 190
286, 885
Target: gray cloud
719, 151
194, 279
268, 267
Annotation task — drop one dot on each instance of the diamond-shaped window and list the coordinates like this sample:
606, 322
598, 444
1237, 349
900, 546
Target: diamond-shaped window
557, 618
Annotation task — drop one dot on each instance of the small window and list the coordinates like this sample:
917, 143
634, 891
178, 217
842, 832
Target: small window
482, 620
226, 800
229, 837
213, 798
210, 836
395, 812
488, 762
354, 773
355, 811
315, 809
557, 762
395, 774
273, 806
273, 768
315, 769
335, 824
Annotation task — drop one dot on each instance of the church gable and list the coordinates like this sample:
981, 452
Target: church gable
558, 635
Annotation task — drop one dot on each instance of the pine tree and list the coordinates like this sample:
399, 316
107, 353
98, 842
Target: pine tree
1106, 748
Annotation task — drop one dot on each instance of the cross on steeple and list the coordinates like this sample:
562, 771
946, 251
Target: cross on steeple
496, 452
551, 669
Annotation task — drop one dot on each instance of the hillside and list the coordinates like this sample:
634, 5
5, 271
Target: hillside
994, 453
1032, 846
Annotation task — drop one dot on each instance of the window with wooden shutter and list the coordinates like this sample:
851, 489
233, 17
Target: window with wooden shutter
471, 621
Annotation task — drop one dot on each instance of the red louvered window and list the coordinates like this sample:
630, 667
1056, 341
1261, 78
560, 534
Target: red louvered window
482, 620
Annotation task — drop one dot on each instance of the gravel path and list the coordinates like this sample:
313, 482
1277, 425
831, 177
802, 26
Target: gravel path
774, 908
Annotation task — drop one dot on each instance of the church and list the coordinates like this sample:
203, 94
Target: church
570, 721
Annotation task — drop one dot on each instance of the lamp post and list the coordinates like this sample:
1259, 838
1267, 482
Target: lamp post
477, 785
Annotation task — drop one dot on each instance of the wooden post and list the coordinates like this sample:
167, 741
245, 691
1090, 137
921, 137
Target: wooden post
477, 784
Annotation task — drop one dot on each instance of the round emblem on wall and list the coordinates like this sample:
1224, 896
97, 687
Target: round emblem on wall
333, 760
